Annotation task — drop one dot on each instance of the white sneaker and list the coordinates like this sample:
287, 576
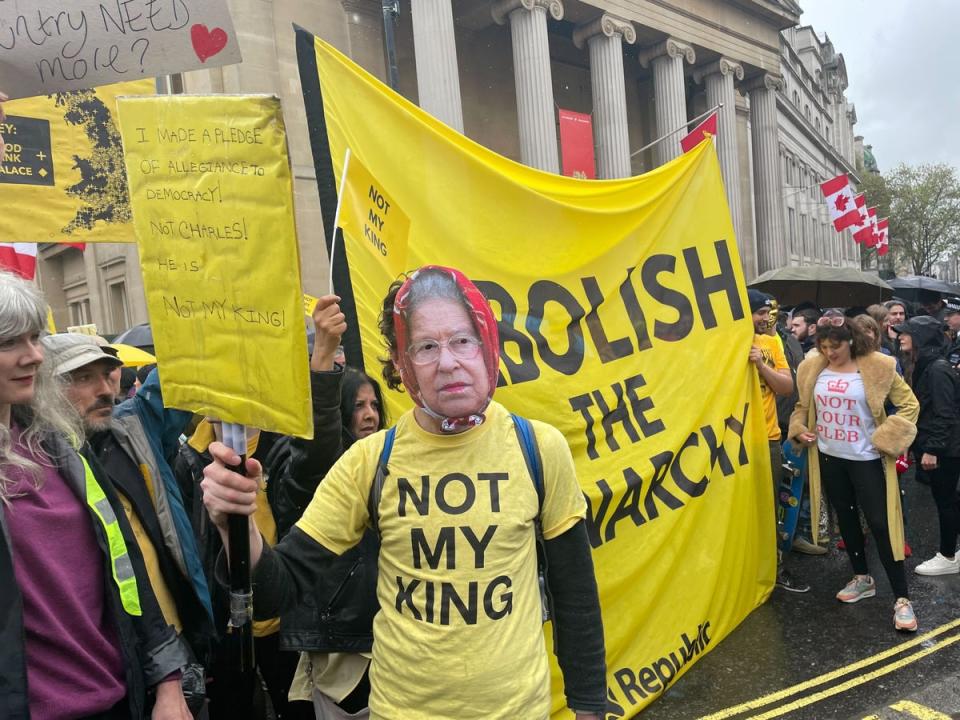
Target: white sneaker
938, 565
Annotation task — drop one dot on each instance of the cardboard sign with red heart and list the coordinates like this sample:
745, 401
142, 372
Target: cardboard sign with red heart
49, 46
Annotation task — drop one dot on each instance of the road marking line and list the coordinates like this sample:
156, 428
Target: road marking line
921, 712
860, 680
872, 717
820, 679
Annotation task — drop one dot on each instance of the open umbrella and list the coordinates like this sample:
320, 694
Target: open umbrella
132, 356
140, 336
910, 286
825, 286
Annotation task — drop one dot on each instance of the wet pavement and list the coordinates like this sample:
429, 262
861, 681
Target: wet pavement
807, 656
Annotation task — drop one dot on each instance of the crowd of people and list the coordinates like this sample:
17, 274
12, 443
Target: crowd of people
872, 393
125, 502
363, 606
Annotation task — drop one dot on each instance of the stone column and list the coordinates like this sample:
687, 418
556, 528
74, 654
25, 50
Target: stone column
718, 77
438, 74
531, 69
669, 91
605, 36
768, 186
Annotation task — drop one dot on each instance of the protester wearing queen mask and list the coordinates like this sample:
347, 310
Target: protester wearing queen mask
459, 631
853, 447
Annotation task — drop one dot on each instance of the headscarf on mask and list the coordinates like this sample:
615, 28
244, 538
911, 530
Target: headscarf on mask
485, 325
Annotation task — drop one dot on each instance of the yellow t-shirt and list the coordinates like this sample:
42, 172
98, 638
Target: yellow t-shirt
773, 357
459, 631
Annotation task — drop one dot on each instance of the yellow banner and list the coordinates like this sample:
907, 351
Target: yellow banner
212, 201
62, 176
623, 322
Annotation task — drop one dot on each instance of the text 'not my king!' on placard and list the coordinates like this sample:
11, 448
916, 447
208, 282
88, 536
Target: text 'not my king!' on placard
212, 200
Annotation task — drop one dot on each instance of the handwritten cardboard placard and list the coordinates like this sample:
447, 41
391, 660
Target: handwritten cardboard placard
212, 199
62, 177
48, 46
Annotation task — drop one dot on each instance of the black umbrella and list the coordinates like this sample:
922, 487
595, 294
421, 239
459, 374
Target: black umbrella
910, 287
825, 286
140, 336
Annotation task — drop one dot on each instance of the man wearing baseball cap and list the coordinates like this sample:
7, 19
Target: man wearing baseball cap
768, 357
128, 442
951, 318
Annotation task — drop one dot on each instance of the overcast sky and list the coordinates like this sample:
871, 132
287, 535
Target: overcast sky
903, 64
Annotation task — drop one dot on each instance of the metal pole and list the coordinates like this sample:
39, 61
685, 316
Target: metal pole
391, 10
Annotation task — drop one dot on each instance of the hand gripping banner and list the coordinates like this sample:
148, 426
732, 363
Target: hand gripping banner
623, 321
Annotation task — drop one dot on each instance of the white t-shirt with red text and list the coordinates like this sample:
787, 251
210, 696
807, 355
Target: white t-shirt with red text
844, 421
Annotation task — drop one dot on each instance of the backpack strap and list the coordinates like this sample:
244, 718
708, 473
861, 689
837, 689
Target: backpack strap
376, 489
531, 455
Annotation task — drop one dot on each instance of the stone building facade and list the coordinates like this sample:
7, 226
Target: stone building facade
816, 143
498, 70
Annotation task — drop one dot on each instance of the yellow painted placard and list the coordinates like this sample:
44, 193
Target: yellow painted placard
62, 176
212, 201
373, 221
623, 322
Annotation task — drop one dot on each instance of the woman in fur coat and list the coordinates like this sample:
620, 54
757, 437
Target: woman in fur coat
854, 444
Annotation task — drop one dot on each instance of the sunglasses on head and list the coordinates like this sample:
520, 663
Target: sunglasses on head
835, 320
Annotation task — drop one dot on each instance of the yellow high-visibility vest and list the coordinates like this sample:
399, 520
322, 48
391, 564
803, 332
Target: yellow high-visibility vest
120, 562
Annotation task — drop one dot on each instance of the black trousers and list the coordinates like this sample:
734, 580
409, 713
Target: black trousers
851, 484
231, 693
943, 485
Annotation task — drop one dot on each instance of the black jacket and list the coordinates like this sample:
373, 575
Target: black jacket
337, 616
127, 479
937, 387
953, 353
150, 648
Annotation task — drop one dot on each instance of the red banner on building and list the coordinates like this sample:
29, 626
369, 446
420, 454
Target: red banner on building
576, 145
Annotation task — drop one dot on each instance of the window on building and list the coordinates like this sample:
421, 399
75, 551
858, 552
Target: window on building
796, 98
119, 312
792, 224
80, 312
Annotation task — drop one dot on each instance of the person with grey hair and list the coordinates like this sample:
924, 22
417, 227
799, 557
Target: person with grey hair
96, 650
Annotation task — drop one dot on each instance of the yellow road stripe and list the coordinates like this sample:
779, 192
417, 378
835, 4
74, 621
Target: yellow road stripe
921, 712
872, 717
860, 680
820, 679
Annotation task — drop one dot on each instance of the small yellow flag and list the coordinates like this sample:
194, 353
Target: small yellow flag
372, 220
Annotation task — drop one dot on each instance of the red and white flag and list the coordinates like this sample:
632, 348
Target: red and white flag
863, 219
868, 235
883, 229
696, 136
840, 201
20, 258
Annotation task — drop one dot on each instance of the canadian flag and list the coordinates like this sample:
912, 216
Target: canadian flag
874, 231
840, 202
861, 228
883, 229
695, 137
20, 258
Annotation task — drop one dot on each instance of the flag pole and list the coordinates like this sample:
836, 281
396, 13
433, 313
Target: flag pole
336, 216
241, 592
687, 124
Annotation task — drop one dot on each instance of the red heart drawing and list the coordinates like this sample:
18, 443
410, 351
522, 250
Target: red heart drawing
207, 43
